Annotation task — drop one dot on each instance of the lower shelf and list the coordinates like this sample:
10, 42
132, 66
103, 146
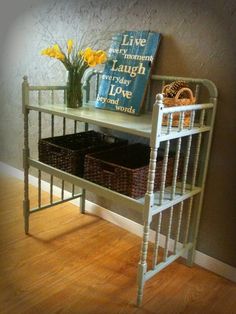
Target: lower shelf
136, 204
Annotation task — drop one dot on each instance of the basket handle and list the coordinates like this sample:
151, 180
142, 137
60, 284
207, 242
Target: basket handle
164, 88
185, 89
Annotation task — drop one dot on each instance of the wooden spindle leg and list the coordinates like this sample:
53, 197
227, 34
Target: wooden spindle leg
142, 267
82, 201
26, 153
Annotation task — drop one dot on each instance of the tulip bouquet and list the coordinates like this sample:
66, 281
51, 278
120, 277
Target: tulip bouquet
76, 62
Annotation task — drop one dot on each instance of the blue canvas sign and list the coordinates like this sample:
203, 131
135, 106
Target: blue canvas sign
127, 71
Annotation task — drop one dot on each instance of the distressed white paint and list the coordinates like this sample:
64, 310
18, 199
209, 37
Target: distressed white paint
197, 41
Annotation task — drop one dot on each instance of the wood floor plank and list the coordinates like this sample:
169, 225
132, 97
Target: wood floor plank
77, 264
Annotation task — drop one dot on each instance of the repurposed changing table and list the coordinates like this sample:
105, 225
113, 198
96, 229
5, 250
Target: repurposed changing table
181, 203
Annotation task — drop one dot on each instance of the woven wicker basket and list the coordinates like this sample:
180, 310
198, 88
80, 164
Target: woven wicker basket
177, 101
125, 169
67, 152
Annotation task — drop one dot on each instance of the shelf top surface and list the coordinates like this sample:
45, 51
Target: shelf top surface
137, 125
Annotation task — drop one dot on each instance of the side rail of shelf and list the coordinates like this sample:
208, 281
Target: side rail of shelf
65, 196
177, 206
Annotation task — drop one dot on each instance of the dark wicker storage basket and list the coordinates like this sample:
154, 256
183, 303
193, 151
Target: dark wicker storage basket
67, 152
125, 169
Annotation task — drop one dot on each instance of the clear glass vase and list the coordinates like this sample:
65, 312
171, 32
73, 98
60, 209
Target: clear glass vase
74, 89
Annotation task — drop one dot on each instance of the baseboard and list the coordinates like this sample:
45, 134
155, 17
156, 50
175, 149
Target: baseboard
201, 259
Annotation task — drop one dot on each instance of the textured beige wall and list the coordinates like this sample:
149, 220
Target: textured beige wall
198, 41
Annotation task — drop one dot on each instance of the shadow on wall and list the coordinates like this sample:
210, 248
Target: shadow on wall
171, 56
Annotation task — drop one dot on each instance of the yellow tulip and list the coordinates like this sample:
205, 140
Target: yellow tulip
99, 52
51, 53
93, 57
91, 61
70, 45
87, 53
102, 57
60, 56
45, 52
56, 48
89, 56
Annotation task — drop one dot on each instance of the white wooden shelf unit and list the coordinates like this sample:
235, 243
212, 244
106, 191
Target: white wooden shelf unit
179, 205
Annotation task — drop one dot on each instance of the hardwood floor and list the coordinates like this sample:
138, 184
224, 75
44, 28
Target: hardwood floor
73, 263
